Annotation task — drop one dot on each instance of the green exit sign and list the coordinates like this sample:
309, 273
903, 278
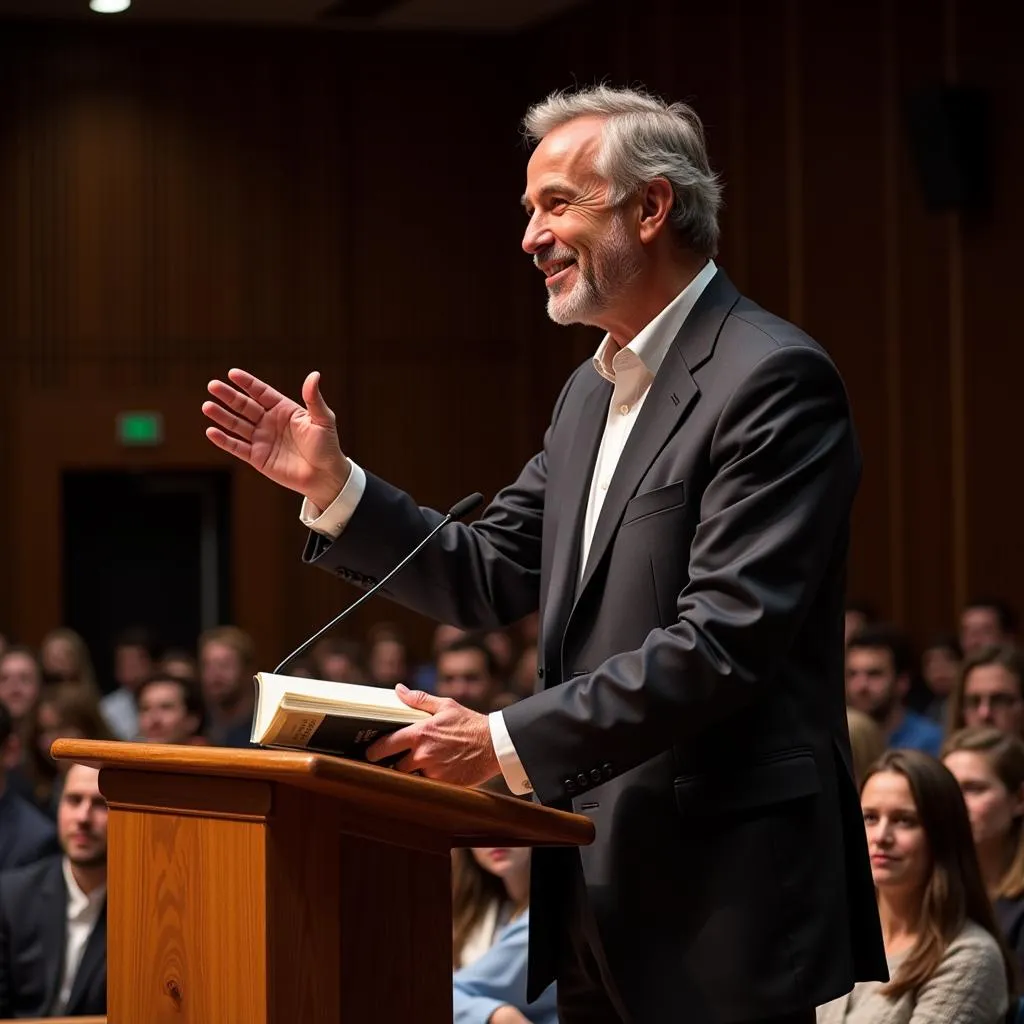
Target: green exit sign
140, 429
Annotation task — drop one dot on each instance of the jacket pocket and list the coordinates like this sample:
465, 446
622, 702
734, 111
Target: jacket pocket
773, 779
661, 499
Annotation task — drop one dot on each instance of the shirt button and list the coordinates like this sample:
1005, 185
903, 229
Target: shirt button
604, 485
623, 408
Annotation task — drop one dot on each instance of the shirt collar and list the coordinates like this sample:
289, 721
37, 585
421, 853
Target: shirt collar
78, 901
651, 344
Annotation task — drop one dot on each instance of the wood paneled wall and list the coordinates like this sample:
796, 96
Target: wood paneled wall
175, 202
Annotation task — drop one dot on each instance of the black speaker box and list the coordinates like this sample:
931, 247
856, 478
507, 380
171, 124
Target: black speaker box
948, 133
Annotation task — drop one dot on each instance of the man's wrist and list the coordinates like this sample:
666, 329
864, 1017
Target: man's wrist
328, 486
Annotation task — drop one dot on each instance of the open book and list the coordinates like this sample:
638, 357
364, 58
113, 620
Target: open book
332, 718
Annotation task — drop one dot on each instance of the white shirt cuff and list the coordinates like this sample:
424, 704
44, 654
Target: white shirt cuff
335, 517
511, 767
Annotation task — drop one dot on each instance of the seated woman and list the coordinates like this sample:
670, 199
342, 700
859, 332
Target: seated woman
947, 962
490, 926
989, 765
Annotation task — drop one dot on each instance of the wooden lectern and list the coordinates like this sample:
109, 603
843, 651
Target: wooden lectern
276, 887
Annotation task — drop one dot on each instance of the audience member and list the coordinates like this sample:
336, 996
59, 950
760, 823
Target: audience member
65, 658
947, 962
337, 660
940, 668
226, 657
989, 765
135, 654
858, 615
63, 710
170, 710
867, 742
986, 622
26, 834
21, 679
425, 676
877, 681
387, 659
53, 927
989, 691
468, 672
490, 918
178, 664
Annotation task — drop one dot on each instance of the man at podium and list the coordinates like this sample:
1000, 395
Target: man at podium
683, 533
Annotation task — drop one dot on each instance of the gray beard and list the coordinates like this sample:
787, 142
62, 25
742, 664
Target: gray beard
611, 268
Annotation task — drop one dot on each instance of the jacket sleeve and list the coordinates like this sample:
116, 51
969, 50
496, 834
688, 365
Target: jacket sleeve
480, 576
784, 469
498, 978
5, 954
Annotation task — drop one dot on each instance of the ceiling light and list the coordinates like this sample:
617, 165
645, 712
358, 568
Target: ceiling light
109, 6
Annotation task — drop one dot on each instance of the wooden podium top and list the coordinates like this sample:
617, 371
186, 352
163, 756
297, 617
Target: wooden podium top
465, 815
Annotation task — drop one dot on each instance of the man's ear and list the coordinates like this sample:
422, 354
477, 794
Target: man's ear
656, 200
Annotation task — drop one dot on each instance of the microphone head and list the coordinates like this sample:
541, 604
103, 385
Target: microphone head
470, 503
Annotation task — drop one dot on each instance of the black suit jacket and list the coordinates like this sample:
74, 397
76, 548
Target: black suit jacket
33, 937
26, 834
691, 695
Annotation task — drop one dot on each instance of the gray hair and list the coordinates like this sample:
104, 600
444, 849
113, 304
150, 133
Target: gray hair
643, 138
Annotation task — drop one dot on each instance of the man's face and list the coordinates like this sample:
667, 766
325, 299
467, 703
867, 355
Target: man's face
992, 697
979, 628
220, 672
132, 666
463, 676
19, 683
872, 685
82, 818
163, 716
588, 250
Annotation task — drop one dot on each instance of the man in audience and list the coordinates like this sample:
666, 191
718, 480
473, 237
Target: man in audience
135, 656
992, 691
338, 660
986, 622
53, 915
170, 710
467, 671
226, 658
877, 681
26, 834
21, 679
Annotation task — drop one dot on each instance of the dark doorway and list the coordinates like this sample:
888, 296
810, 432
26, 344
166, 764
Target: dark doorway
145, 549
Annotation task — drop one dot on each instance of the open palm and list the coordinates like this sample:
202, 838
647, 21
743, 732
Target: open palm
295, 446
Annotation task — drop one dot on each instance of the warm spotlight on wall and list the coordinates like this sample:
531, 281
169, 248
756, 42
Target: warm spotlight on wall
109, 6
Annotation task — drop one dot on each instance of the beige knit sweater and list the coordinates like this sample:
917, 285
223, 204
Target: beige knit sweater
969, 987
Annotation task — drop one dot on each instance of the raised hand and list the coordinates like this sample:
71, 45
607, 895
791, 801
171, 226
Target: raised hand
295, 447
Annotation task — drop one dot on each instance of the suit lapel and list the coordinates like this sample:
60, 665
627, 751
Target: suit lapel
570, 492
53, 917
94, 960
667, 403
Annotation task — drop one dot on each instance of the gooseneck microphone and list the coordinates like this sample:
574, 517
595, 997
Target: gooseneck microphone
460, 509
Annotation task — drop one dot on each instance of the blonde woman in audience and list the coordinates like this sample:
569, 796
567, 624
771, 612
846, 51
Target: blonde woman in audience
65, 659
989, 691
867, 742
989, 765
490, 930
64, 710
947, 962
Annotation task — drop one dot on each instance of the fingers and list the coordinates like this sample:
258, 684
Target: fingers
393, 743
420, 699
228, 420
264, 394
235, 400
319, 411
232, 445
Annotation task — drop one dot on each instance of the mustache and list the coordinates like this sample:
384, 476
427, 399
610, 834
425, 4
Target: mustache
553, 252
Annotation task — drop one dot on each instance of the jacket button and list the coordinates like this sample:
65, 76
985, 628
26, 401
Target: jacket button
570, 786
607, 769
540, 672
595, 774
582, 779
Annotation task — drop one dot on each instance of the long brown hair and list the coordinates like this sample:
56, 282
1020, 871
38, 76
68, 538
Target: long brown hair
1005, 756
474, 889
1005, 655
954, 892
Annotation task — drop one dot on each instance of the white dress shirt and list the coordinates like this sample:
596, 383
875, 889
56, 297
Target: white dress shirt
630, 370
83, 913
